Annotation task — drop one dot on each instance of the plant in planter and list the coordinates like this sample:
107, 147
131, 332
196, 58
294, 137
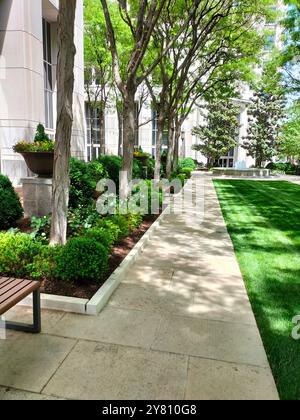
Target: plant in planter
39, 155
142, 157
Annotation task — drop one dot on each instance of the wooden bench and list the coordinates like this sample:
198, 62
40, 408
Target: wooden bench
13, 291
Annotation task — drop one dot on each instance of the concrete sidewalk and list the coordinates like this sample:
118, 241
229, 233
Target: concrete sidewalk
180, 326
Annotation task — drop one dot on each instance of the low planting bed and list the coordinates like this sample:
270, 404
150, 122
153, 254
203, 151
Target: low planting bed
85, 289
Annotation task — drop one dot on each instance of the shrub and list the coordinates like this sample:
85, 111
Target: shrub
102, 235
281, 167
121, 221
134, 221
113, 228
44, 263
83, 217
10, 206
151, 167
96, 172
154, 195
186, 171
113, 166
138, 171
182, 178
84, 178
40, 134
186, 163
17, 253
82, 259
82, 187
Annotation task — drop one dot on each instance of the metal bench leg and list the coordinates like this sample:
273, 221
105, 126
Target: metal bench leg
35, 328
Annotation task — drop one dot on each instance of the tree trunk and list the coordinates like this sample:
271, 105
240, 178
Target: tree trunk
120, 127
65, 87
102, 126
210, 161
170, 153
258, 162
128, 143
159, 144
177, 138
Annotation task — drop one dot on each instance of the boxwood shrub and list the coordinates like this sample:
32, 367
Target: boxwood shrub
186, 163
10, 206
44, 263
17, 254
104, 236
82, 259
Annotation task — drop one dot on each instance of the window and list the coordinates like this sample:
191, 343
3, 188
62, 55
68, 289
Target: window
154, 134
93, 132
137, 125
231, 152
48, 80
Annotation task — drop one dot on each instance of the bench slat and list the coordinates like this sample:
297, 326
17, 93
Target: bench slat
3, 281
6, 287
17, 291
14, 288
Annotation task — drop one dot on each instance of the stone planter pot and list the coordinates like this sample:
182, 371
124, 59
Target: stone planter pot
40, 163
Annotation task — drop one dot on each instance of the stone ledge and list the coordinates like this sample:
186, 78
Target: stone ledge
37, 181
59, 303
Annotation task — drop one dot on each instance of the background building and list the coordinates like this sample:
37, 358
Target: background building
28, 57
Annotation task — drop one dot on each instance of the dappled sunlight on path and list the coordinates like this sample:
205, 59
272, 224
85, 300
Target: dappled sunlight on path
179, 326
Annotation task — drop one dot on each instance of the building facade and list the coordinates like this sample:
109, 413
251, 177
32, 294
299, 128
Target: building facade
28, 58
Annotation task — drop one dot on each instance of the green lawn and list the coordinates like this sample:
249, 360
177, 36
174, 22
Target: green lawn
263, 219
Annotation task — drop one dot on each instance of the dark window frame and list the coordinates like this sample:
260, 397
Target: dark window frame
48, 75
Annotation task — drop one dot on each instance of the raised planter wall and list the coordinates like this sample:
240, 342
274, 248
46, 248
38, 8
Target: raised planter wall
264, 173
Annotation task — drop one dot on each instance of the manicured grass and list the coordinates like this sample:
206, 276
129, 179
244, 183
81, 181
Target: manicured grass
263, 219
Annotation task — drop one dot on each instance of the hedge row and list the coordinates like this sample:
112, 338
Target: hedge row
84, 258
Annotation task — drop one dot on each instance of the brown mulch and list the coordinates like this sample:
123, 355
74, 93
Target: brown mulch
24, 225
119, 252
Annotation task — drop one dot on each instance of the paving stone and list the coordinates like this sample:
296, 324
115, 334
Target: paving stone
113, 325
214, 380
24, 314
152, 276
29, 361
7, 394
110, 372
222, 306
223, 341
